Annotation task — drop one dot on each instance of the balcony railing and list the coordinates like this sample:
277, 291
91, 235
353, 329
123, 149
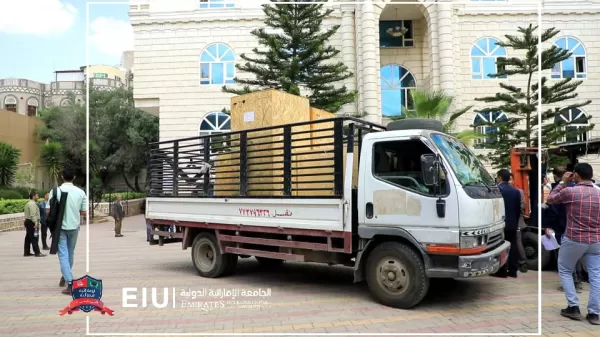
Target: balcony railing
68, 85
19, 82
106, 82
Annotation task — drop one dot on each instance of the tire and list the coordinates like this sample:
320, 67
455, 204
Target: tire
397, 258
268, 262
530, 242
416, 123
207, 257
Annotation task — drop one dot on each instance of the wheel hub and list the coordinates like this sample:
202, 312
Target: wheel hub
206, 256
393, 276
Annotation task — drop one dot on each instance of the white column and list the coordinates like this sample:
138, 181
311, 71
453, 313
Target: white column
359, 60
445, 46
369, 64
434, 56
349, 54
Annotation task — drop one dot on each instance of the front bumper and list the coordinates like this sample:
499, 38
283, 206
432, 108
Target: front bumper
483, 264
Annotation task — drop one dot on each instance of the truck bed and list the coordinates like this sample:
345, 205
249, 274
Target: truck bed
312, 214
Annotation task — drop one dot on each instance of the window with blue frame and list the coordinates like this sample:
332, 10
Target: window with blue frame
396, 34
570, 121
217, 65
484, 54
574, 66
396, 85
484, 126
217, 3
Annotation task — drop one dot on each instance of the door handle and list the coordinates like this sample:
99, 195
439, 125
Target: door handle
369, 210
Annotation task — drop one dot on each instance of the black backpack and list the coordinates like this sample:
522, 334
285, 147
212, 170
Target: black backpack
52, 218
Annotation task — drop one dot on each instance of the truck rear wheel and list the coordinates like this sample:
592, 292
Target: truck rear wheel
396, 275
207, 258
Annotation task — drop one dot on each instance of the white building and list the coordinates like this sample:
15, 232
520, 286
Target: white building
185, 50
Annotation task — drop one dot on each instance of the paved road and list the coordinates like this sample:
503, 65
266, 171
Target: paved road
304, 298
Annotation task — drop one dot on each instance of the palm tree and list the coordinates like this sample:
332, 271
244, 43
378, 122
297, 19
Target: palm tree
52, 157
436, 105
9, 163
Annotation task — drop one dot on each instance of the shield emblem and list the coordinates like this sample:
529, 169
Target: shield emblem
86, 287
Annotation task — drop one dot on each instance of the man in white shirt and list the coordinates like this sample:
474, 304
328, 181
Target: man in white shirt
75, 208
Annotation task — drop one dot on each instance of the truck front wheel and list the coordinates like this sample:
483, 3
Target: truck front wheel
207, 258
396, 275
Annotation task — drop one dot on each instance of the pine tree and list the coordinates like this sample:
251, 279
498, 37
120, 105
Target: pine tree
296, 55
521, 104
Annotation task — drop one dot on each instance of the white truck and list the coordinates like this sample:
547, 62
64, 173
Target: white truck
402, 204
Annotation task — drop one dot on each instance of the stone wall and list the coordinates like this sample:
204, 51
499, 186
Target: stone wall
14, 222
130, 207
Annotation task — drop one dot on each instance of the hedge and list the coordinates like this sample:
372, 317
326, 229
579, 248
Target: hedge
110, 197
14, 205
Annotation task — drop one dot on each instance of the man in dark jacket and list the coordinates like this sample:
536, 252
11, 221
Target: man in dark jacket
512, 212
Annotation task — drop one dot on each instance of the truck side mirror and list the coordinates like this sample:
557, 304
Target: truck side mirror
430, 169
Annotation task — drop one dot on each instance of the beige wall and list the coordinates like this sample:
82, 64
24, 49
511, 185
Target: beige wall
168, 46
19, 131
111, 71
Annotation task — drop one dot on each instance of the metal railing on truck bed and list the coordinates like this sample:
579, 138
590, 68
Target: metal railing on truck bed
296, 160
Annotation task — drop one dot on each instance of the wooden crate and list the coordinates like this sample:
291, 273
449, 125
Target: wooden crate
266, 109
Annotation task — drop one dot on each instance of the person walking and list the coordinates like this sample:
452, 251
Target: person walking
512, 211
75, 207
44, 225
522, 225
32, 226
581, 238
118, 215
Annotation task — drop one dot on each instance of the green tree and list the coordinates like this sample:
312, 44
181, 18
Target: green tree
436, 105
9, 164
66, 125
25, 176
296, 55
520, 104
52, 158
120, 134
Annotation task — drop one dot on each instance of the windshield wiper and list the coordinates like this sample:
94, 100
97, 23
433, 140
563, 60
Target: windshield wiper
478, 183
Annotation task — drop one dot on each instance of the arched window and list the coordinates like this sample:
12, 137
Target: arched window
484, 126
574, 66
10, 103
396, 84
214, 123
217, 65
32, 106
65, 102
570, 121
217, 3
484, 54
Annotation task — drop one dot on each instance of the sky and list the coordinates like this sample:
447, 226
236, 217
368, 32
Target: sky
41, 36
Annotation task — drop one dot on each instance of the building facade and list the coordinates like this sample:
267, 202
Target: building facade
26, 97
185, 53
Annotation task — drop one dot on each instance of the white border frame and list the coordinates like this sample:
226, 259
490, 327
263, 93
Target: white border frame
257, 4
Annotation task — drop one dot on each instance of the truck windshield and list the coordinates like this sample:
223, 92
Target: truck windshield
467, 168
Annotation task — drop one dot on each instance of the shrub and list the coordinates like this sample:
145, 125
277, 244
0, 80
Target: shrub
110, 197
10, 194
9, 163
14, 205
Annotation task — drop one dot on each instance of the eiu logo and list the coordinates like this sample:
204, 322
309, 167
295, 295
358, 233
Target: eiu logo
87, 295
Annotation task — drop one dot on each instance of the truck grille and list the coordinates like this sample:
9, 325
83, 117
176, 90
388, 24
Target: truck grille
496, 238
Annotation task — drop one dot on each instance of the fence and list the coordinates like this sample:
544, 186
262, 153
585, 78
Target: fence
102, 200
292, 160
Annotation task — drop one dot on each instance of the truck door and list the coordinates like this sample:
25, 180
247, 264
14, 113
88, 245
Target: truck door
392, 193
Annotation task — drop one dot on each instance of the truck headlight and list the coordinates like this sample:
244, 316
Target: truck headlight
467, 242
